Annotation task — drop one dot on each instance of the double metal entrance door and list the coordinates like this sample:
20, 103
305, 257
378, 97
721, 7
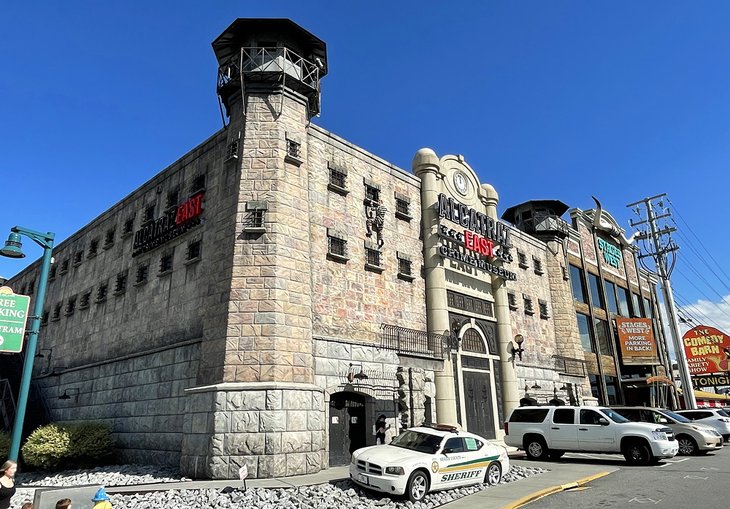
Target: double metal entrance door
347, 426
478, 403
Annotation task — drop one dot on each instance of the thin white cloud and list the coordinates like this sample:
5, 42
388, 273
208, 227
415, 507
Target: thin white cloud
705, 312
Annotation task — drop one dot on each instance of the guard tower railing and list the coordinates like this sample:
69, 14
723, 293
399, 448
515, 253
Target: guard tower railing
412, 341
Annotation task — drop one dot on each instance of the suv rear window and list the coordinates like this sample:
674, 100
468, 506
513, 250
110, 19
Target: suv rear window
528, 415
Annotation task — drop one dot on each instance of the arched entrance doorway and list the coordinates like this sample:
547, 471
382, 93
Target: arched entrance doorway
347, 426
477, 365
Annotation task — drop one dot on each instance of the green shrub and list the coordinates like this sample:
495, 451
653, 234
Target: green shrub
68, 445
4, 445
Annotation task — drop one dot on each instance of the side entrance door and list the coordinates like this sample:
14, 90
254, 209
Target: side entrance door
478, 403
347, 428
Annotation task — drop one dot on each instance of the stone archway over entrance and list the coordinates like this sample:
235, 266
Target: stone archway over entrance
347, 426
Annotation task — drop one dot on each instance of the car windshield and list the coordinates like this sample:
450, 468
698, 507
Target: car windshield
417, 441
723, 413
613, 415
676, 417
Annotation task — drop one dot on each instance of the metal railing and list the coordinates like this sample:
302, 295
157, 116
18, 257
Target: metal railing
272, 60
411, 341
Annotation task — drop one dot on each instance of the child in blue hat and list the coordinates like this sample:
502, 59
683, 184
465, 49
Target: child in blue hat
101, 500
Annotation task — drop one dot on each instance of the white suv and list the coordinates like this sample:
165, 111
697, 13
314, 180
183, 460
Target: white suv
548, 432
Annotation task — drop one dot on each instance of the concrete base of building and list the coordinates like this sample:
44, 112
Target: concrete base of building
273, 429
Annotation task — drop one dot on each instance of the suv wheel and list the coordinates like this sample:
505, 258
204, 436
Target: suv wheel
637, 453
536, 448
687, 445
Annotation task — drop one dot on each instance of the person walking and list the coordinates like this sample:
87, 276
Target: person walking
381, 427
7, 483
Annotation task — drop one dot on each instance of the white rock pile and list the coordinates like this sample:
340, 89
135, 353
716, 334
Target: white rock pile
339, 495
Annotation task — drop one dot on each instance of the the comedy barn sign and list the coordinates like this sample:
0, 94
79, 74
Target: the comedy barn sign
479, 240
707, 350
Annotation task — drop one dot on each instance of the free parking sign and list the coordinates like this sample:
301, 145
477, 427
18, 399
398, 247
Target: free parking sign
13, 317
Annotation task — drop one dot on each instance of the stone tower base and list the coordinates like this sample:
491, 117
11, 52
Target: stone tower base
275, 429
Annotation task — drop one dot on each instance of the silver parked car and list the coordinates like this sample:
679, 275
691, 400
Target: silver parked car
693, 438
715, 417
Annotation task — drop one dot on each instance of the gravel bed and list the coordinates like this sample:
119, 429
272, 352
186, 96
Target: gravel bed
111, 475
340, 495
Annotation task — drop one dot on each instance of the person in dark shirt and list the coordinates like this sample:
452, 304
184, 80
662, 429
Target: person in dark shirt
380, 428
7, 483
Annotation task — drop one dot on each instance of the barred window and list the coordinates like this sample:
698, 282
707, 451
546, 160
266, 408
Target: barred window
45, 316
85, 300
120, 285
405, 267
109, 238
93, 248
194, 250
172, 198
149, 213
57, 311
522, 259
537, 265
166, 262
78, 258
101, 292
543, 308
52, 273
232, 150
336, 247
64, 266
143, 272
372, 193
338, 177
402, 207
373, 257
256, 218
293, 149
529, 310
128, 226
71, 305
198, 184
512, 300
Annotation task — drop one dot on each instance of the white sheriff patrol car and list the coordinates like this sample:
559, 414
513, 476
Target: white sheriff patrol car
425, 459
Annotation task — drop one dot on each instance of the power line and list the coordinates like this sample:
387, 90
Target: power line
701, 277
699, 241
695, 312
702, 259
703, 293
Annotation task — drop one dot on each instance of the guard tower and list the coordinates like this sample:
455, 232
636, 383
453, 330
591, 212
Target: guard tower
273, 52
539, 218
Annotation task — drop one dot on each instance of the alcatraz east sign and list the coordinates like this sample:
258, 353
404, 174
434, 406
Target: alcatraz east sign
173, 224
13, 316
483, 240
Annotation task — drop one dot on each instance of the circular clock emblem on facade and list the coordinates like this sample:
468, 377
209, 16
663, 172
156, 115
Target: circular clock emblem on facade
434, 467
461, 183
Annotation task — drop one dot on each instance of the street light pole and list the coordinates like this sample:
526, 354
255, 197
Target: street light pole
12, 249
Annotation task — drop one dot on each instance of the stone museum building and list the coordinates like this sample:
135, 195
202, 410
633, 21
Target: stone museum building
263, 299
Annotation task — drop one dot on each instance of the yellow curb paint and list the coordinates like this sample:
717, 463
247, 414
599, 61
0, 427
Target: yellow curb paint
553, 489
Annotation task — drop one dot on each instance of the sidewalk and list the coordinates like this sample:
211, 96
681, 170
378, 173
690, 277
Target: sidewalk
511, 495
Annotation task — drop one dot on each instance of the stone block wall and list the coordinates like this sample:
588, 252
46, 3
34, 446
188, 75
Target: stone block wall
348, 300
275, 429
142, 399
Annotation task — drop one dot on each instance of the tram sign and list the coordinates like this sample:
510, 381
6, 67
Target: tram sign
13, 316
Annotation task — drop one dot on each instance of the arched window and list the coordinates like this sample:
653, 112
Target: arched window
472, 342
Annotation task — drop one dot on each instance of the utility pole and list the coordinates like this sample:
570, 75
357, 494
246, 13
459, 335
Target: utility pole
662, 247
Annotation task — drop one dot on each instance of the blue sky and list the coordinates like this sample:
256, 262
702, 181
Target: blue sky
561, 100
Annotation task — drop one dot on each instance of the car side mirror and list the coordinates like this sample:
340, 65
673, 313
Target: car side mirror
603, 421
447, 450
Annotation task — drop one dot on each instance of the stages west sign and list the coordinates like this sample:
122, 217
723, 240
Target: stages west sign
13, 315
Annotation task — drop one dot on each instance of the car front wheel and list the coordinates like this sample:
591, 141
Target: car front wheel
637, 453
687, 446
417, 486
494, 474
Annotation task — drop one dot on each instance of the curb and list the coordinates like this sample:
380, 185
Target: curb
553, 489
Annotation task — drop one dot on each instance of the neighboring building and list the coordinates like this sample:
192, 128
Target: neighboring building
609, 290
264, 298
